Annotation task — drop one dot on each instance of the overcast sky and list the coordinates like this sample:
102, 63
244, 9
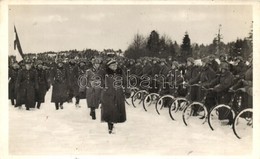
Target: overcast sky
56, 28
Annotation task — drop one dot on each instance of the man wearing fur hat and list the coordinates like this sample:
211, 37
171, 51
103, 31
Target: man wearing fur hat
112, 95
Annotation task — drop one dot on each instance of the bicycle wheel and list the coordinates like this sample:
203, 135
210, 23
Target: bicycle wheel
138, 97
163, 102
220, 115
178, 105
243, 123
150, 100
194, 114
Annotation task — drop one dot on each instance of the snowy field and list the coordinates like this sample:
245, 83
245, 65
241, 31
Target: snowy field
71, 131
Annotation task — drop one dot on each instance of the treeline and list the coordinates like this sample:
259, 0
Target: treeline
155, 45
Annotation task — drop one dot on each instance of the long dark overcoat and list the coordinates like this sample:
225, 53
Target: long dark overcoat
26, 85
73, 74
112, 98
60, 84
13, 73
43, 85
192, 75
93, 92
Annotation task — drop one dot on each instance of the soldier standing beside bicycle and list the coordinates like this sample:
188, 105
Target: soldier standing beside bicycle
191, 77
221, 85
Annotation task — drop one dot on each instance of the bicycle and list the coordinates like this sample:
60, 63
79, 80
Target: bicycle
220, 113
138, 97
241, 122
150, 100
178, 105
196, 112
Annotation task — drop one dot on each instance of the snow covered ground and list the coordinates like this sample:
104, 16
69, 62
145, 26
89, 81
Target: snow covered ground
71, 131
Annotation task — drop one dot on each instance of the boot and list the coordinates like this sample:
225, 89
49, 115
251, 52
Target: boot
110, 127
94, 115
77, 102
12, 101
61, 105
38, 105
57, 106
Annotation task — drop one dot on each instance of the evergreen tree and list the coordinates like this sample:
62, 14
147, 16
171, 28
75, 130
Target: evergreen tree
186, 50
153, 44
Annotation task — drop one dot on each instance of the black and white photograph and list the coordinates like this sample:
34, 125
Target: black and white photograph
133, 79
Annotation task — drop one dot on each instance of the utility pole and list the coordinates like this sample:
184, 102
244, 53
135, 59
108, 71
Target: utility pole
219, 37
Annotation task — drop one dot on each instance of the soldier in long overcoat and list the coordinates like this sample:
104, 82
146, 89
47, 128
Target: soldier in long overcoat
60, 83
43, 84
13, 73
112, 95
72, 71
78, 93
26, 85
93, 91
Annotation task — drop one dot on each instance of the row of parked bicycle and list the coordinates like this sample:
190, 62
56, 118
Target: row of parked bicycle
194, 113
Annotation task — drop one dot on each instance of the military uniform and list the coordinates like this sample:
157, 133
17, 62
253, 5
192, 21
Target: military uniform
26, 85
43, 86
93, 91
13, 73
60, 82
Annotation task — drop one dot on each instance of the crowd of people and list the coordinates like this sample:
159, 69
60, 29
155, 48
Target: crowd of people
31, 79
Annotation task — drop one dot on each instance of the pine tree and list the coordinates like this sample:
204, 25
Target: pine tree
153, 44
186, 50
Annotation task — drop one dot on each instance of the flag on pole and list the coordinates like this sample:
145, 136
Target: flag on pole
17, 47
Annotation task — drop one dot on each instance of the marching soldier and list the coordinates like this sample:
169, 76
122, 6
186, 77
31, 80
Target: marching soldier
13, 73
112, 96
93, 92
43, 84
80, 94
72, 69
59, 80
26, 85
